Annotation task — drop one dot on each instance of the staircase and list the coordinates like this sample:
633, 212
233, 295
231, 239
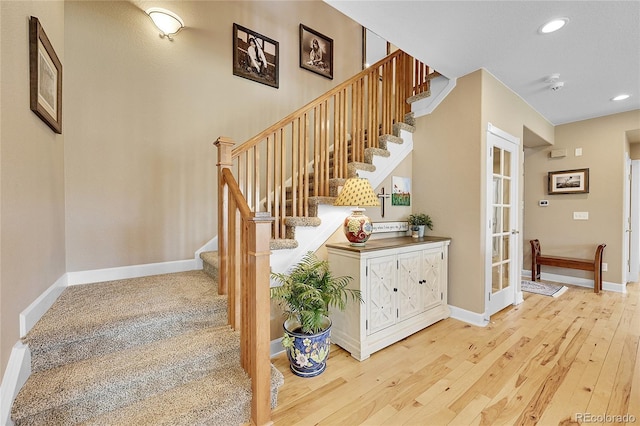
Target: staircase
385, 147
305, 234
170, 349
276, 183
143, 351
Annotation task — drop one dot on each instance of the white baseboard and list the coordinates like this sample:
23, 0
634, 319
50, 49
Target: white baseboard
580, 282
17, 373
469, 317
276, 348
30, 316
134, 271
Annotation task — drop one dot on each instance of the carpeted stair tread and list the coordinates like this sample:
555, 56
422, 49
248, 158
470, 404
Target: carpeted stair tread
385, 140
282, 244
109, 316
210, 263
277, 380
78, 391
220, 399
354, 167
370, 153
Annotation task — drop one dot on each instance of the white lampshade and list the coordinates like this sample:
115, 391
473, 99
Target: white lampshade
167, 22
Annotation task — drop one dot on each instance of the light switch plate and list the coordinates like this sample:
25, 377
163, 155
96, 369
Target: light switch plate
580, 215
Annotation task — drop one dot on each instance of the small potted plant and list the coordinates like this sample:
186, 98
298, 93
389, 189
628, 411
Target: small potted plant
420, 220
305, 294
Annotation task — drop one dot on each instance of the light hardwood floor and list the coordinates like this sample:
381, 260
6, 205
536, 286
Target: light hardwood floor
547, 361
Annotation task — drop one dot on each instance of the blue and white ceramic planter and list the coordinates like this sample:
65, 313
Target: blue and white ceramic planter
307, 353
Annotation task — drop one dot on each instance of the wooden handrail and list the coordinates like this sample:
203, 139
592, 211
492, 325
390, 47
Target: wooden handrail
299, 155
257, 138
280, 168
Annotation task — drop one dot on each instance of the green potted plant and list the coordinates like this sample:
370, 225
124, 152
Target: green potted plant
306, 293
420, 220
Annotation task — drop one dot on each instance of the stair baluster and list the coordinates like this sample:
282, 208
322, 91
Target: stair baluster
303, 152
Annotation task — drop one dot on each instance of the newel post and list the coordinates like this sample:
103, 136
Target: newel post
225, 146
259, 313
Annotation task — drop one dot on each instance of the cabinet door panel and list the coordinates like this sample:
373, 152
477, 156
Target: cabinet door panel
432, 277
381, 305
409, 285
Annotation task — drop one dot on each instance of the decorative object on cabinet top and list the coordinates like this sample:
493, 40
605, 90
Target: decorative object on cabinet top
417, 223
357, 193
420, 219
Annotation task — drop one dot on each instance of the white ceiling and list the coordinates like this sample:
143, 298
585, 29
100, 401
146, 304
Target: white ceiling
597, 54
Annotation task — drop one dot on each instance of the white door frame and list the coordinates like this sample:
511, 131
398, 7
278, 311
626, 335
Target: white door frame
634, 234
514, 296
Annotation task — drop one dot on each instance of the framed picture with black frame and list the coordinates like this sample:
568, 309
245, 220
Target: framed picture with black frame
316, 52
255, 56
45, 77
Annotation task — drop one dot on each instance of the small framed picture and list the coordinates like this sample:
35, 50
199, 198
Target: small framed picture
401, 193
45, 77
316, 52
569, 182
255, 56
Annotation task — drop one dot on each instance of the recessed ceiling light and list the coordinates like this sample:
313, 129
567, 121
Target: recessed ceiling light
553, 25
620, 97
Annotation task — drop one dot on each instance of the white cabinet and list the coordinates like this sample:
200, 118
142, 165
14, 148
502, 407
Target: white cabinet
404, 287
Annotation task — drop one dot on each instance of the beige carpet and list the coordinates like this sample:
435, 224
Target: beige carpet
152, 350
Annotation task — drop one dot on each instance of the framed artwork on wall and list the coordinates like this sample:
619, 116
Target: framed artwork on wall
401, 193
255, 56
316, 52
45, 77
569, 182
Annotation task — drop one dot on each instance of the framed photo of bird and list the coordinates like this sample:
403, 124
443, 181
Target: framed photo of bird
569, 182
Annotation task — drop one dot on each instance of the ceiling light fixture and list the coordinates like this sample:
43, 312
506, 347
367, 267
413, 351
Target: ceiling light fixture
554, 82
553, 25
167, 22
552, 78
621, 97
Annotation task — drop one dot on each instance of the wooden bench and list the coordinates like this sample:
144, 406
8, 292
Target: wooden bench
594, 264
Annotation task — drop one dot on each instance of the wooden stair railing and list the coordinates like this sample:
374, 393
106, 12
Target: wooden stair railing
353, 113
244, 271
320, 138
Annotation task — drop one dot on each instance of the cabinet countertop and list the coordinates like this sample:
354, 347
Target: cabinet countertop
386, 243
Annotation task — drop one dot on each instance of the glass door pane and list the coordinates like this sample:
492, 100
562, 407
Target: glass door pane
501, 231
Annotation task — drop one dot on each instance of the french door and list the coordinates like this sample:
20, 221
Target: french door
502, 266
